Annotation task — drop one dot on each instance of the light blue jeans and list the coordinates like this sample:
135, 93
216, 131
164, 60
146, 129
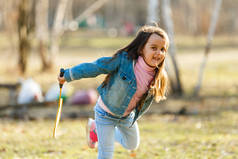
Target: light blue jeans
110, 129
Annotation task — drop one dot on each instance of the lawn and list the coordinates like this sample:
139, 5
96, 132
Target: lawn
163, 136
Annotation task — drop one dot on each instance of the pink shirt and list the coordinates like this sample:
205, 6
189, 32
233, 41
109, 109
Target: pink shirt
144, 75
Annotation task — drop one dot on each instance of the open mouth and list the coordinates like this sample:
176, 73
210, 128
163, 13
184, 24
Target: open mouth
157, 60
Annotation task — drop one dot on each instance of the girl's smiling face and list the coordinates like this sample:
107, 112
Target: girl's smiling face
154, 50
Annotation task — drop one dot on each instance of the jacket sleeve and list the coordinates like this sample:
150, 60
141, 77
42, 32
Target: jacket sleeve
104, 65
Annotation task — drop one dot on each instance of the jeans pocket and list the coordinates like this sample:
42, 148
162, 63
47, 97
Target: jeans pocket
99, 111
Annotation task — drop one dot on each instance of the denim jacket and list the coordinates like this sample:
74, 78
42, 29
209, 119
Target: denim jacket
118, 92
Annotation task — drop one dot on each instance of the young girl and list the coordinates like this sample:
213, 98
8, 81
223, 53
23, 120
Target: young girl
135, 76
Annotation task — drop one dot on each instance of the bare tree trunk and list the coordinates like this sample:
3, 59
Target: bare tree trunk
69, 13
153, 7
57, 29
10, 11
42, 33
26, 25
166, 13
210, 35
90, 10
23, 33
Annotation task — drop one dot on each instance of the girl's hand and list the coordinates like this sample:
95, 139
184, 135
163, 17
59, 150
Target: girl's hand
61, 80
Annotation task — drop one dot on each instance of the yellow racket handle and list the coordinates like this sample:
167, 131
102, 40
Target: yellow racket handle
57, 119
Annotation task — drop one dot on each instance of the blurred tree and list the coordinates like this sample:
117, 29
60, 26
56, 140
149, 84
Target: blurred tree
69, 12
210, 35
168, 22
152, 11
90, 10
9, 23
57, 29
42, 33
59, 25
25, 27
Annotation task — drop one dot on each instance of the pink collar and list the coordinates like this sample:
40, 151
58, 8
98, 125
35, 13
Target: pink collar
145, 66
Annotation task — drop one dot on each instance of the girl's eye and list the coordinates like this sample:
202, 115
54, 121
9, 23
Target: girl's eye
163, 49
154, 48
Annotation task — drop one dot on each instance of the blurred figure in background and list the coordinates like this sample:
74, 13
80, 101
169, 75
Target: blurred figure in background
30, 92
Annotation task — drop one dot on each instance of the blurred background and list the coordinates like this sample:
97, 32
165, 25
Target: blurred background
38, 37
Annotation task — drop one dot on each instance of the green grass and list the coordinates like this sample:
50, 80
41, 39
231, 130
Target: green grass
162, 137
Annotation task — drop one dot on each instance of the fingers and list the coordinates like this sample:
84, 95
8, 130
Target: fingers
61, 80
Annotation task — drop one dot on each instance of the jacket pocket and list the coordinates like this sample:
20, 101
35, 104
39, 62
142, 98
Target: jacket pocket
124, 77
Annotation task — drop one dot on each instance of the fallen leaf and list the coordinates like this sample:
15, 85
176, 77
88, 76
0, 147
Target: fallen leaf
2, 150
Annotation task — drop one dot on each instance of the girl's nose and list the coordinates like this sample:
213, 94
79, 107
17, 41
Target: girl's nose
158, 52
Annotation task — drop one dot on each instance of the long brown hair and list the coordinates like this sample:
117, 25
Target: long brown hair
158, 86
